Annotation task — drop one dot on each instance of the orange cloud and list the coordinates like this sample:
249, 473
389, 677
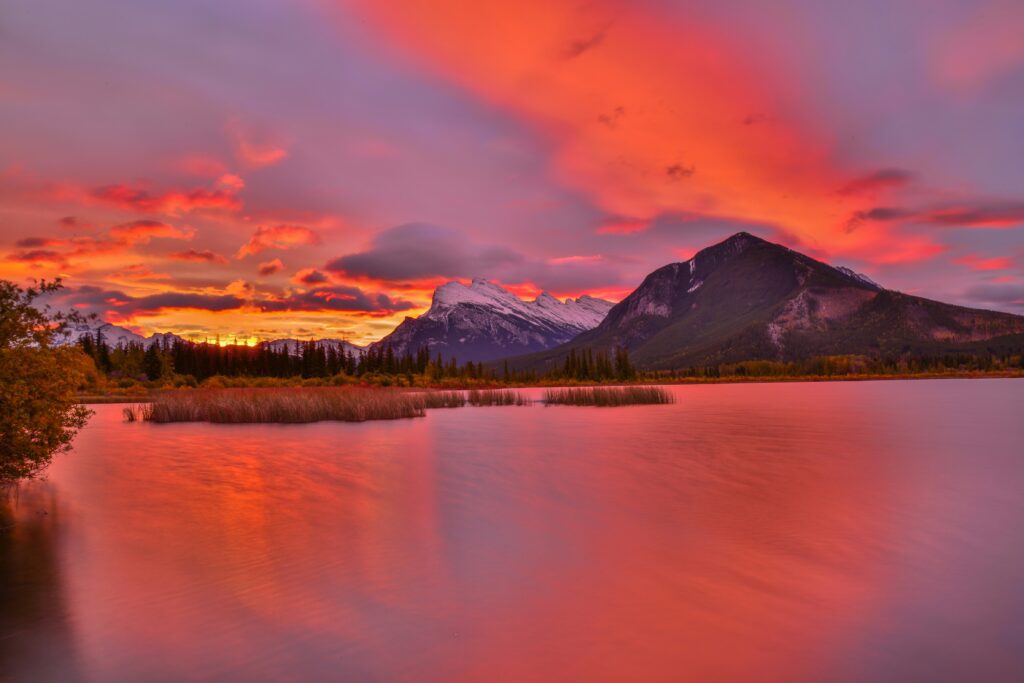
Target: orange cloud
278, 237
173, 202
645, 115
142, 231
199, 256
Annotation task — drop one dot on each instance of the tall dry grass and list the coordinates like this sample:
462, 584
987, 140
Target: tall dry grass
290, 405
496, 397
608, 397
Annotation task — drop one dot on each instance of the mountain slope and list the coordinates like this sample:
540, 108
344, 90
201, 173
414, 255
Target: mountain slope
484, 321
746, 298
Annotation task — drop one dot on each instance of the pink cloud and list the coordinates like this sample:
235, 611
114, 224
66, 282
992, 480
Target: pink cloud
975, 262
253, 153
278, 237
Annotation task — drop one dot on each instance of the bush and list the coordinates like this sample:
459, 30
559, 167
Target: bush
39, 410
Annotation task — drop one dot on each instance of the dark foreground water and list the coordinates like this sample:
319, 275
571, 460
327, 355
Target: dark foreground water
786, 532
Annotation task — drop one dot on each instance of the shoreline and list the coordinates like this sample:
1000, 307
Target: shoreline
102, 399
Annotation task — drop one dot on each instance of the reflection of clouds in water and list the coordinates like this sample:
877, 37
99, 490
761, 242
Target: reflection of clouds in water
748, 532
36, 640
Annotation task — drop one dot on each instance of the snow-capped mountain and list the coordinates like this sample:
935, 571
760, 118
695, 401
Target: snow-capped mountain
294, 346
484, 321
112, 334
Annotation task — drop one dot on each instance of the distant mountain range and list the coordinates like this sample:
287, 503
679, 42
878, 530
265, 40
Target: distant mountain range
294, 346
119, 336
484, 321
742, 299
746, 299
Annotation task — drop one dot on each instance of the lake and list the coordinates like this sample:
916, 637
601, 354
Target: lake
868, 531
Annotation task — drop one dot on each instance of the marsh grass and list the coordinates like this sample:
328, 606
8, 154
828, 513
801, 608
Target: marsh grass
286, 405
608, 397
437, 399
306, 404
497, 397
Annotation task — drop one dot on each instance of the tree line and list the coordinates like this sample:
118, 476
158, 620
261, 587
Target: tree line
198, 361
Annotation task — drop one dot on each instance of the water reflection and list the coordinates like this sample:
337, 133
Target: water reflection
765, 533
35, 636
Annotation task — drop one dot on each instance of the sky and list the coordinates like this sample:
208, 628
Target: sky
252, 169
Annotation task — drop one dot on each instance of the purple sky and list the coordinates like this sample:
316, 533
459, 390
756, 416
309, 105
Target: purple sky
264, 167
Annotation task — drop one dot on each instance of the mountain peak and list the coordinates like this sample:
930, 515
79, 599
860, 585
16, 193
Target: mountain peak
483, 320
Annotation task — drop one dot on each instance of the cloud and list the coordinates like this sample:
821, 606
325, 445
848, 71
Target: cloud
310, 277
37, 242
975, 262
278, 237
171, 202
412, 251
986, 215
241, 288
37, 256
253, 153
115, 305
198, 256
73, 223
104, 302
336, 298
623, 226
270, 267
579, 47
139, 272
689, 87
202, 166
981, 214
882, 179
142, 231
421, 251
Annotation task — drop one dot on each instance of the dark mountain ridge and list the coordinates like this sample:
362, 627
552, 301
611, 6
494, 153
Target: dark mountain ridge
749, 299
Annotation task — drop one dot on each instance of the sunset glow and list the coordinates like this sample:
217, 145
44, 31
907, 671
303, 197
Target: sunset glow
316, 168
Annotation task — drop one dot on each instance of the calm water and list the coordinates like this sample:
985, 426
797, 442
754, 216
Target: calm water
812, 532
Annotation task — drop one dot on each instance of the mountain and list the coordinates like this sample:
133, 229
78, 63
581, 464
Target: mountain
119, 336
294, 346
746, 298
112, 334
484, 321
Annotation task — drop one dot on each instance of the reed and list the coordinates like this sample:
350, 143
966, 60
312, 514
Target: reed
280, 405
497, 397
438, 399
608, 397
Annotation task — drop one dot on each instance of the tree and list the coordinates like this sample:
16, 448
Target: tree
152, 364
39, 412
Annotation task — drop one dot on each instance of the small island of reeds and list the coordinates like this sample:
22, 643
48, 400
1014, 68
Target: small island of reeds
608, 397
308, 404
